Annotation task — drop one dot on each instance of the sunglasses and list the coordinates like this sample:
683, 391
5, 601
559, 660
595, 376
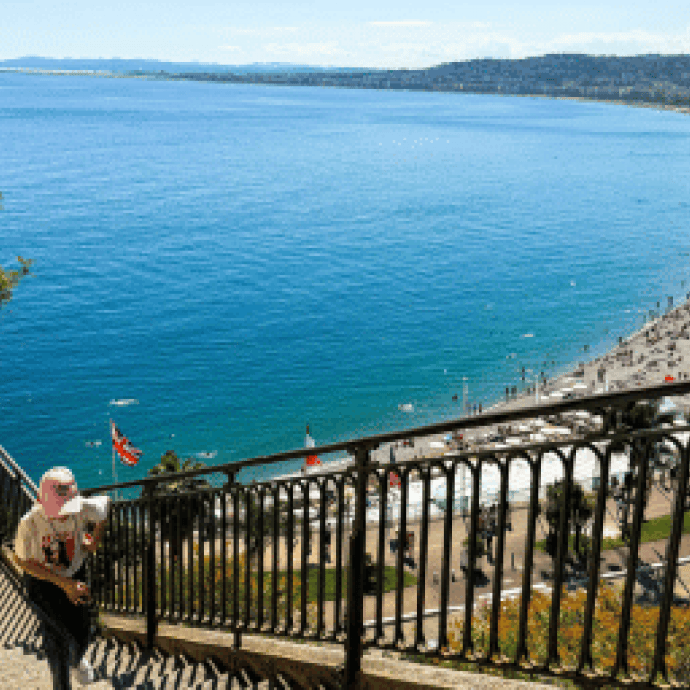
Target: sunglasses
63, 490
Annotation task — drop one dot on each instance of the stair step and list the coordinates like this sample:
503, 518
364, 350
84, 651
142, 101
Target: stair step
30, 671
136, 669
23, 664
115, 668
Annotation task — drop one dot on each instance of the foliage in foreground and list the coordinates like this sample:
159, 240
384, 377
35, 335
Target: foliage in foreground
641, 642
10, 279
654, 529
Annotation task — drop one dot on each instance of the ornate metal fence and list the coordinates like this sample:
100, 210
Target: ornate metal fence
281, 557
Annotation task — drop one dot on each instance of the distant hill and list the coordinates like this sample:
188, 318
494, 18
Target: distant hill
653, 79
157, 66
657, 79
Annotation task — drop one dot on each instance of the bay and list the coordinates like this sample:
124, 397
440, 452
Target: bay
244, 259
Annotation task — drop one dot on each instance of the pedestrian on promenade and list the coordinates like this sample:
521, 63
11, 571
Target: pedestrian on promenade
51, 546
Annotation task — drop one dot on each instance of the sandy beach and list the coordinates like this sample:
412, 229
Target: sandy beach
650, 355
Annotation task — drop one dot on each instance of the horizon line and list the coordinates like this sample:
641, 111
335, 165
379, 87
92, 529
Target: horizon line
336, 67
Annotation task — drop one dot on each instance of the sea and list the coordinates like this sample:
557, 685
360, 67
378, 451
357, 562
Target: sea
238, 261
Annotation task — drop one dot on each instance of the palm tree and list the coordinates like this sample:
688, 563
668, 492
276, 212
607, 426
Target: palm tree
579, 514
636, 416
188, 487
170, 464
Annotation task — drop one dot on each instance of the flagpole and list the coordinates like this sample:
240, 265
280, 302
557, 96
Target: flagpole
112, 447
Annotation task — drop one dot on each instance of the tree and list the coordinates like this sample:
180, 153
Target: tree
579, 514
636, 416
170, 464
255, 534
178, 517
10, 279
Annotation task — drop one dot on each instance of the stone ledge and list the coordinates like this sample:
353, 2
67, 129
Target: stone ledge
308, 661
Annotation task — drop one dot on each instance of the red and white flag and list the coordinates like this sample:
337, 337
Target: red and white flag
309, 442
128, 454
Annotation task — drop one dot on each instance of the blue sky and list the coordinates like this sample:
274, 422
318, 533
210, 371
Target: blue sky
384, 33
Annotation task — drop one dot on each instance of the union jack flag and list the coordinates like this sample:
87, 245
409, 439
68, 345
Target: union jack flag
128, 454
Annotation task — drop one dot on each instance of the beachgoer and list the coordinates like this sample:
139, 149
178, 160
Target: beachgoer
51, 549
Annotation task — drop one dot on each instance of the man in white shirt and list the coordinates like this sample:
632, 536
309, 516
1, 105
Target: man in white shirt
51, 548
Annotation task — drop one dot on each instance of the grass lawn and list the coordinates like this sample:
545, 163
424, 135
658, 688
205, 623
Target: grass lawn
389, 584
652, 530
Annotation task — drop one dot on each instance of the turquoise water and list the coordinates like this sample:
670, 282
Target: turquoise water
244, 259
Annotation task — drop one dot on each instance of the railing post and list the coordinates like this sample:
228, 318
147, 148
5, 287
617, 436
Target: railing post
227, 488
15, 493
639, 450
355, 581
150, 571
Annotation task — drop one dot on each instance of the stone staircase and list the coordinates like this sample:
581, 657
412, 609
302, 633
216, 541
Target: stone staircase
23, 664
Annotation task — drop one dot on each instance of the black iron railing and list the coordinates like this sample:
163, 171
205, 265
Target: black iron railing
167, 555
17, 496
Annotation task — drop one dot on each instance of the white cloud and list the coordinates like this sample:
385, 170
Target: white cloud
233, 49
302, 49
399, 23
420, 44
633, 42
263, 31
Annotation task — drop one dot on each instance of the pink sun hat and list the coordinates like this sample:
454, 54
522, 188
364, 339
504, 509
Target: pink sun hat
57, 486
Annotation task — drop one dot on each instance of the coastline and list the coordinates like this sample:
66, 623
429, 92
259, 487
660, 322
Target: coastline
683, 110
639, 357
